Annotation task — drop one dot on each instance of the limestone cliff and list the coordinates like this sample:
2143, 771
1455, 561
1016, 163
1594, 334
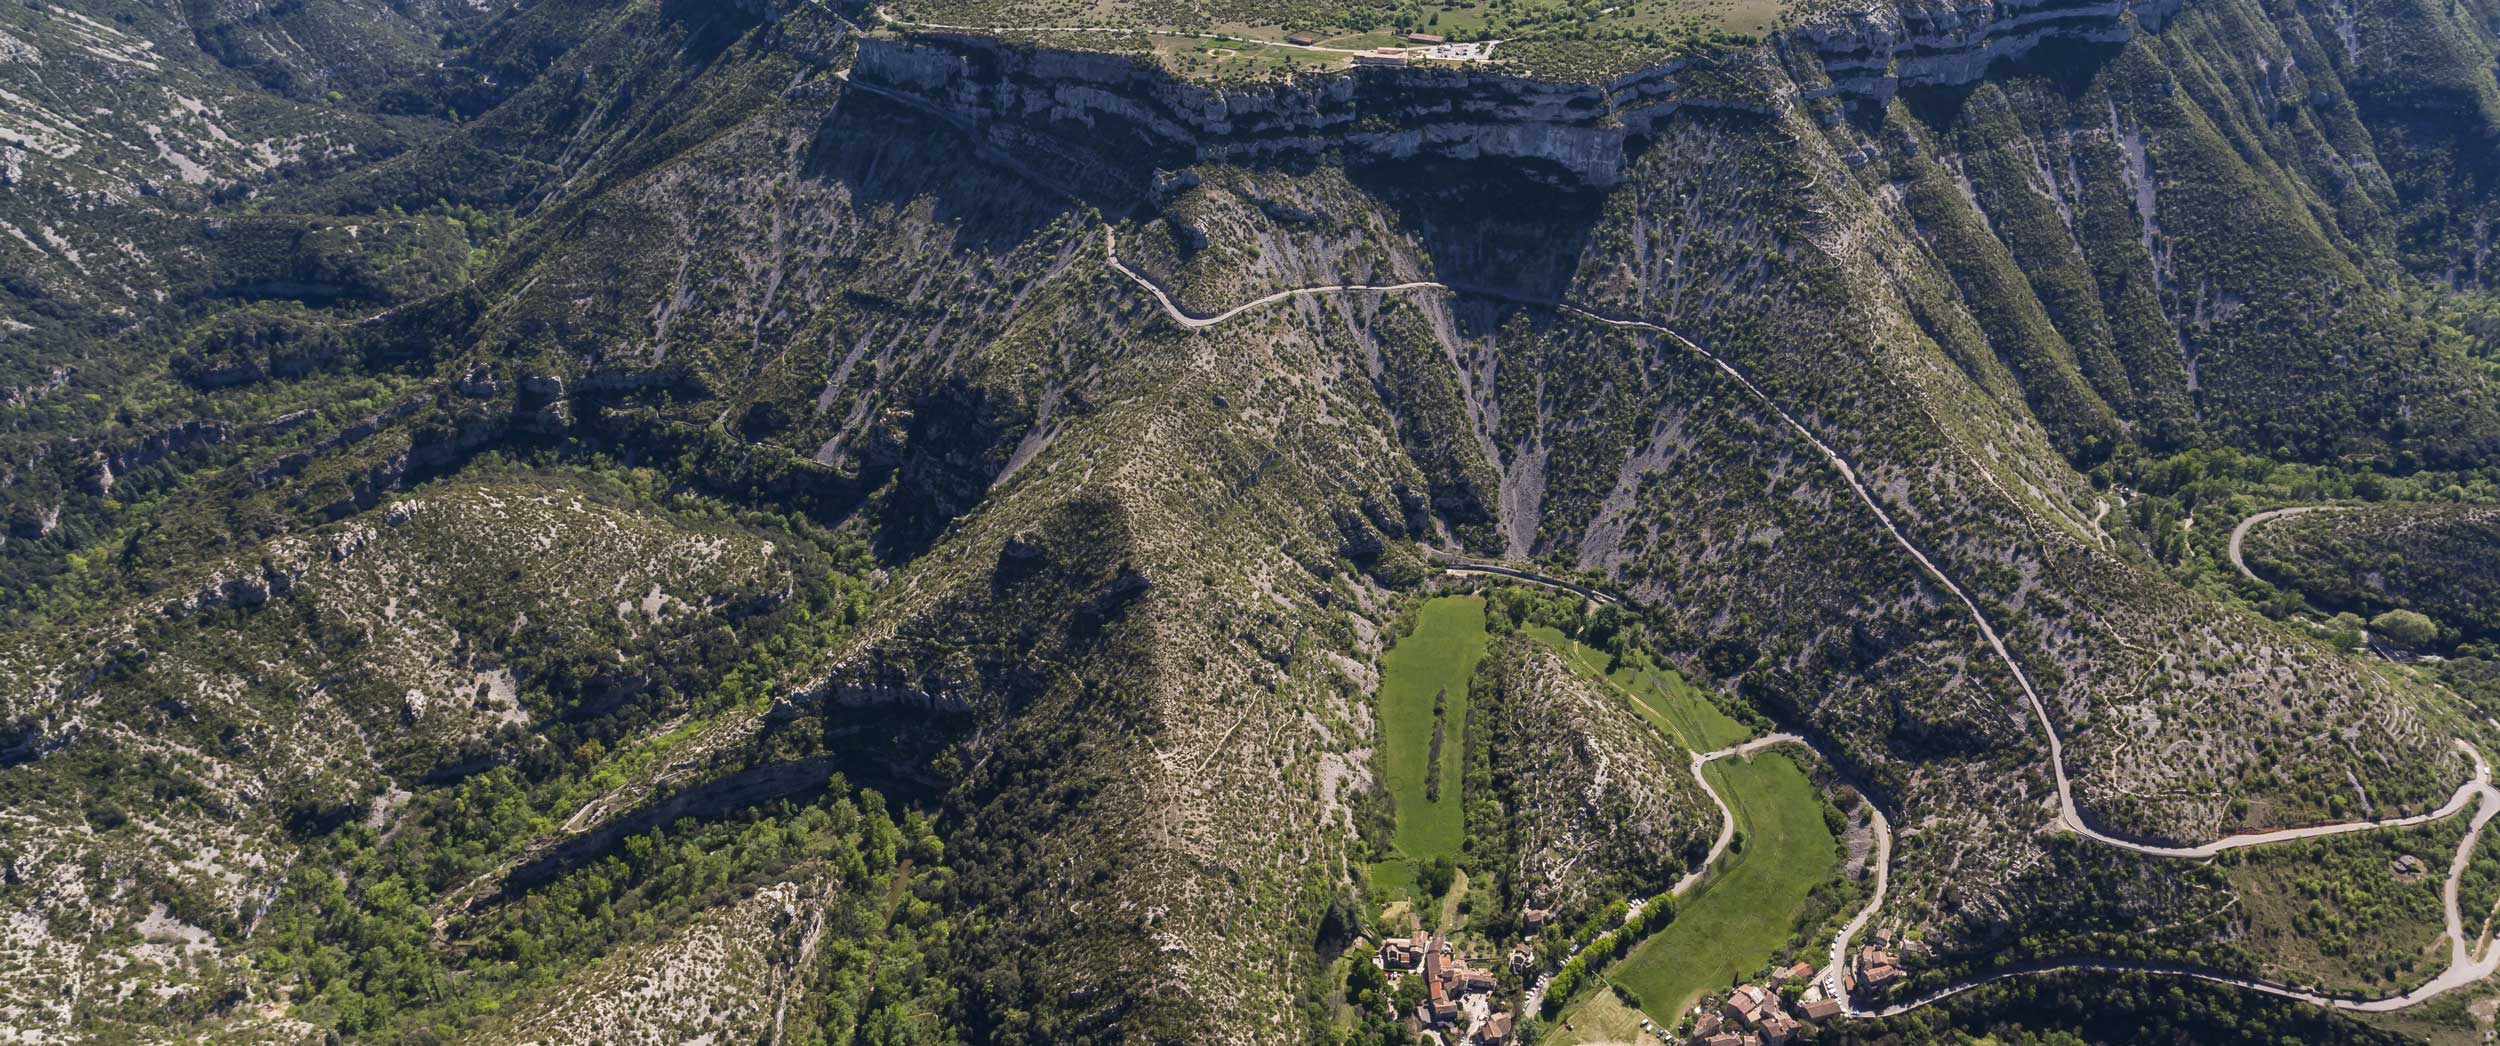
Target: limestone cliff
1083, 116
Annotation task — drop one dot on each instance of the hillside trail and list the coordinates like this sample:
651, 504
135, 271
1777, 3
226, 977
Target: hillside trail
2465, 967
1453, 563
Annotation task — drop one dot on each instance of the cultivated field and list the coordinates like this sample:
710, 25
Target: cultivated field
1435, 662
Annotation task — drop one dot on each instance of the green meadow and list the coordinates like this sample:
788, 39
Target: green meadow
1434, 663
1739, 918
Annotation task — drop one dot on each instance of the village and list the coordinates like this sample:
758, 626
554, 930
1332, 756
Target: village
1458, 1006
1768, 1015
1458, 996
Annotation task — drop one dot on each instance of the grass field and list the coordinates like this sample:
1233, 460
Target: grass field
1744, 914
1600, 1018
1660, 695
1438, 657
1737, 920
1208, 58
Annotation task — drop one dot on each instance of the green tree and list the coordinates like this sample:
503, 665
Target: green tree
2405, 628
1436, 875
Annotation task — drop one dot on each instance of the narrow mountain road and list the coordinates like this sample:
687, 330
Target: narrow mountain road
2474, 787
1194, 321
2240, 533
1452, 563
2464, 967
1727, 814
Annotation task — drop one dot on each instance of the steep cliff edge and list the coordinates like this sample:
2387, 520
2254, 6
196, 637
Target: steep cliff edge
1082, 115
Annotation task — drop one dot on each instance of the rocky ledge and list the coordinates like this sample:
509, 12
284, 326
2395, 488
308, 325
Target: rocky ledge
1108, 120
1092, 115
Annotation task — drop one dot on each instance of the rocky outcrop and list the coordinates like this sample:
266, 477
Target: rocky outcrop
107, 465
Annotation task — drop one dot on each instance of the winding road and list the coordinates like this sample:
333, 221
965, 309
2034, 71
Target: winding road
2240, 533
1193, 321
1452, 563
2465, 967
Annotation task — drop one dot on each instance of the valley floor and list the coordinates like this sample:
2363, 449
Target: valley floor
2466, 965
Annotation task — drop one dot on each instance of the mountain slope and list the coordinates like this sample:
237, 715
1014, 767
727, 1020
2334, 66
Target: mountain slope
694, 476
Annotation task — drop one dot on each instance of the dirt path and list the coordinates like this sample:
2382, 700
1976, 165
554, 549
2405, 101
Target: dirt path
2464, 967
1727, 814
1194, 321
2240, 533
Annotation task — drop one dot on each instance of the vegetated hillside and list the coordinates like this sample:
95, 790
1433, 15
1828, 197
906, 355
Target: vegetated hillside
2442, 561
1129, 581
205, 735
1575, 798
139, 144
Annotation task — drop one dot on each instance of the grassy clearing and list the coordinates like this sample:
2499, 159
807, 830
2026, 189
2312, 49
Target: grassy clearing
1601, 1018
1435, 662
1737, 921
1754, 17
1395, 878
1364, 40
1660, 695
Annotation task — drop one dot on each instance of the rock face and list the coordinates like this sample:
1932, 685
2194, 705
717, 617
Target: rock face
1085, 116
1081, 117
1870, 53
